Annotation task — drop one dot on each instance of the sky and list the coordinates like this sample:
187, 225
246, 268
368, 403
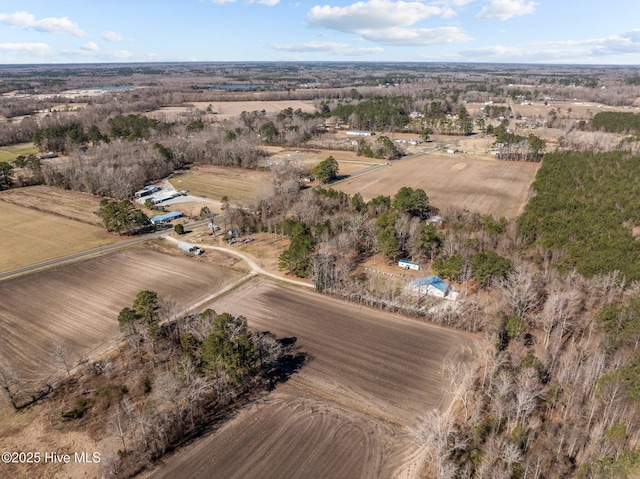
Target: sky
478, 31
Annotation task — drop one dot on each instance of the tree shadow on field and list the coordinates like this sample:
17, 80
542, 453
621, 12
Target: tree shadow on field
289, 362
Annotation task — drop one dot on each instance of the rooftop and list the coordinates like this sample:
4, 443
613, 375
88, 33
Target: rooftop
434, 281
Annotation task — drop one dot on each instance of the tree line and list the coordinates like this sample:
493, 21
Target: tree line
585, 212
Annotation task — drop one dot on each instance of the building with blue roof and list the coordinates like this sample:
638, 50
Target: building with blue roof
165, 218
431, 285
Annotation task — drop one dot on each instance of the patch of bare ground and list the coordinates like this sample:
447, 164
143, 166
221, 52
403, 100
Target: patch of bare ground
40, 429
76, 305
483, 185
368, 377
263, 248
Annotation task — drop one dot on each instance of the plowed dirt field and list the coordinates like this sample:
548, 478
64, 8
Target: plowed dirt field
368, 377
76, 306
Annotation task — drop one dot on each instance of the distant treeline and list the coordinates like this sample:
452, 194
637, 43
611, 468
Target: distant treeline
616, 121
585, 209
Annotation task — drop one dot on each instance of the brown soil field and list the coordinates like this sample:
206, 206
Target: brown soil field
214, 182
483, 185
368, 377
77, 305
31, 236
231, 109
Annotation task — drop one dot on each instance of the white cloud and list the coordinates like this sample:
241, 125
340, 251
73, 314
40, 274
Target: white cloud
268, 3
373, 14
332, 47
31, 49
309, 46
359, 52
527, 54
506, 9
27, 21
112, 36
92, 51
416, 36
497, 51
627, 42
455, 3
90, 46
388, 22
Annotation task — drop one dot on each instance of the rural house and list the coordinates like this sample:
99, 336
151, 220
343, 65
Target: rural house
404, 264
431, 285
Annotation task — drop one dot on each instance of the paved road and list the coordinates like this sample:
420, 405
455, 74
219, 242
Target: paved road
94, 251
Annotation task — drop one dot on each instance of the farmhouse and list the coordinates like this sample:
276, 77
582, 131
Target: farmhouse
359, 133
165, 218
431, 285
404, 264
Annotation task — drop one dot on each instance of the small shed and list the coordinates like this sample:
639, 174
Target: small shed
405, 264
165, 218
431, 285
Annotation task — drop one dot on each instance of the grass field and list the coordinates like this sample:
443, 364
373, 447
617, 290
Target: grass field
48, 199
30, 236
10, 153
214, 182
483, 185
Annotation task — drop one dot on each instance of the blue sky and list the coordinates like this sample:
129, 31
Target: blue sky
513, 31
